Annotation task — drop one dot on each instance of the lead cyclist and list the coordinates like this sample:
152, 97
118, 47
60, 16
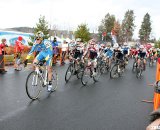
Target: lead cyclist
45, 54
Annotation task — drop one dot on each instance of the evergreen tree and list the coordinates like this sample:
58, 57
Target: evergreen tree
145, 30
83, 33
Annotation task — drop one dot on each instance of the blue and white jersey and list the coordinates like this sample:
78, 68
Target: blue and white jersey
125, 50
108, 52
46, 46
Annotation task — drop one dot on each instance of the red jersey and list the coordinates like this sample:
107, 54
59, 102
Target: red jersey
18, 46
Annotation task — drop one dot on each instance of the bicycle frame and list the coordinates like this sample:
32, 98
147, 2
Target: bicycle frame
45, 77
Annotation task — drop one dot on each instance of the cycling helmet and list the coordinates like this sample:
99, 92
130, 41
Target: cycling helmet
39, 35
125, 44
20, 38
102, 45
141, 47
108, 44
115, 45
78, 39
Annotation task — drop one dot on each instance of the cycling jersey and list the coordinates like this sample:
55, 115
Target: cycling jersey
78, 52
108, 52
118, 54
125, 50
93, 52
142, 53
46, 51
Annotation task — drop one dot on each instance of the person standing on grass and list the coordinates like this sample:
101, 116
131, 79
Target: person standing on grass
2, 53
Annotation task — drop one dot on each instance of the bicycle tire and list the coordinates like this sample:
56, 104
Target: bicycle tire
85, 72
115, 71
134, 67
138, 73
54, 80
71, 72
96, 78
33, 97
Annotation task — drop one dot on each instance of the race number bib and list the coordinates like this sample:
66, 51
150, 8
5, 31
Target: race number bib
47, 44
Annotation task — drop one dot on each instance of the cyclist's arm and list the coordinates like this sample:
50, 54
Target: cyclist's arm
32, 50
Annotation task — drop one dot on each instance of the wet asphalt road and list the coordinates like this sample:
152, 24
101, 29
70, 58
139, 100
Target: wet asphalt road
110, 104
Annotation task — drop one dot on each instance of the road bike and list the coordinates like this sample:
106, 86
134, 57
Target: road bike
75, 68
118, 69
140, 68
88, 73
38, 79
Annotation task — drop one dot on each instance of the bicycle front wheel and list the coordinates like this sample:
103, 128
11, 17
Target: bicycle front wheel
97, 75
114, 72
33, 85
54, 80
134, 66
86, 76
69, 72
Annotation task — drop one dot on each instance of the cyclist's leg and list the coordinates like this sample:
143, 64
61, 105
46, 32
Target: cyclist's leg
49, 68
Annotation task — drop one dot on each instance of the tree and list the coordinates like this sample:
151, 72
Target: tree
106, 26
128, 26
145, 30
116, 29
83, 33
42, 25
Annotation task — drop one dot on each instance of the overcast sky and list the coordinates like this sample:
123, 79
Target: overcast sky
68, 14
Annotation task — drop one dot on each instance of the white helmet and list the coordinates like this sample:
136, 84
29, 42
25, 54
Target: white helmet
115, 45
125, 44
108, 44
141, 47
78, 39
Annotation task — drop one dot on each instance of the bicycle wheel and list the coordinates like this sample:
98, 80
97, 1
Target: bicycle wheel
69, 72
114, 72
86, 76
150, 62
33, 85
54, 80
103, 68
97, 75
138, 72
134, 66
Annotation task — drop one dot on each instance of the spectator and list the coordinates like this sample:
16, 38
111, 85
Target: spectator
155, 120
2, 53
18, 51
55, 50
64, 51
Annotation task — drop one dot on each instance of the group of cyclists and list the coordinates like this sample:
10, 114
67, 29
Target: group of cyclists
92, 51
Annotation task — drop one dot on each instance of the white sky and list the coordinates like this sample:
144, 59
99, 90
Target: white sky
67, 14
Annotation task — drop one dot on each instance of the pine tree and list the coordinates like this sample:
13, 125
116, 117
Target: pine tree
106, 26
83, 33
128, 26
145, 30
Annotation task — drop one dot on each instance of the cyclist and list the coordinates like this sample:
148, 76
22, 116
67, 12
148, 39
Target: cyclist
18, 51
55, 50
118, 54
46, 54
126, 51
92, 51
78, 50
109, 53
141, 54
